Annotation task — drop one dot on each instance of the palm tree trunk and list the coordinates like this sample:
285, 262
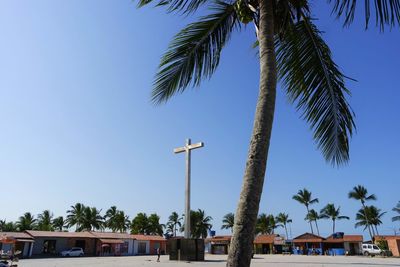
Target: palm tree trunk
308, 212
316, 225
333, 226
376, 228
368, 225
241, 248
287, 236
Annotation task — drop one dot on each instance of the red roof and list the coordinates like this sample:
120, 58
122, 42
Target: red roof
105, 235
308, 238
59, 234
16, 235
264, 239
346, 238
148, 237
111, 241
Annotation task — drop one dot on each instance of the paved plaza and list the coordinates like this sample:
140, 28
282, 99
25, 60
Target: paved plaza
213, 261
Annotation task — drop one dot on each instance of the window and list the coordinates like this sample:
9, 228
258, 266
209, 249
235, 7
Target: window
375, 247
370, 246
124, 247
49, 247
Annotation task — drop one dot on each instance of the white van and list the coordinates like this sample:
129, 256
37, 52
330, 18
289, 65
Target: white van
371, 249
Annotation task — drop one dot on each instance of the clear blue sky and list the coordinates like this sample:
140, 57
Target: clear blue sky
77, 125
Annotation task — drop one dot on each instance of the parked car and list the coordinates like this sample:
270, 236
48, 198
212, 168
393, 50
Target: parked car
371, 249
73, 252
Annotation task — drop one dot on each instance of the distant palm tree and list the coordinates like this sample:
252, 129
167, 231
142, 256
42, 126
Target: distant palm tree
370, 216
396, 209
283, 219
330, 212
75, 216
313, 216
266, 224
45, 221
92, 220
200, 224
110, 218
140, 224
175, 220
262, 226
7, 226
155, 227
304, 197
375, 215
26, 222
228, 221
59, 223
121, 222
360, 193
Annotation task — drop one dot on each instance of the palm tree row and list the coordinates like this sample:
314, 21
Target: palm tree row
85, 218
368, 216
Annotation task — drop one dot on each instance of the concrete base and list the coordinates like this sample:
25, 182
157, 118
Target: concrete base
186, 249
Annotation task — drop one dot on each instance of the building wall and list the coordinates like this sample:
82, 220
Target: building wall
136, 247
61, 245
157, 244
89, 249
394, 246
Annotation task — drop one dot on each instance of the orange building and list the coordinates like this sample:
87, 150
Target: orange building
393, 243
148, 244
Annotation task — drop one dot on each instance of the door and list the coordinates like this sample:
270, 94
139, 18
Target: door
142, 248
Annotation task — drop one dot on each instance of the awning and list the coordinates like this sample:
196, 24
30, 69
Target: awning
112, 241
25, 240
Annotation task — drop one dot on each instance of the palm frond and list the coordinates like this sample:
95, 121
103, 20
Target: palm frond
185, 6
371, 197
315, 83
396, 218
387, 12
194, 53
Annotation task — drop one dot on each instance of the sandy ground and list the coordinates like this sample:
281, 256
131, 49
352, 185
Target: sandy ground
213, 261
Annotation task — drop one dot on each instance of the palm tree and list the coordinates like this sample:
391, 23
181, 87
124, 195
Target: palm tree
140, 224
266, 224
370, 216
228, 221
200, 224
330, 212
396, 209
8, 226
175, 221
262, 226
304, 197
59, 223
374, 216
45, 221
154, 226
91, 220
26, 222
110, 218
291, 48
121, 222
75, 216
360, 193
313, 216
283, 219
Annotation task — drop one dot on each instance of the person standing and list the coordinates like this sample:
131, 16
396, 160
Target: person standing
158, 254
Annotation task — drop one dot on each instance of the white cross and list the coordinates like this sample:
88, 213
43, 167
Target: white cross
187, 148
